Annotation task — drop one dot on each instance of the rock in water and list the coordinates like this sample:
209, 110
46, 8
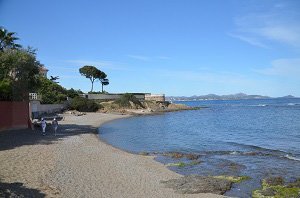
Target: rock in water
193, 184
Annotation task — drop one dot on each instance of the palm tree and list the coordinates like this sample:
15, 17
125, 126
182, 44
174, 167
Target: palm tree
7, 39
54, 79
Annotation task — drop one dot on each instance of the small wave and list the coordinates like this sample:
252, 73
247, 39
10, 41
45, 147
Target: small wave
257, 150
292, 157
250, 153
250, 146
234, 153
262, 105
256, 105
291, 104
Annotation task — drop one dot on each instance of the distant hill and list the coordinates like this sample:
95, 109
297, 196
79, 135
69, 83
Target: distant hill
238, 96
288, 96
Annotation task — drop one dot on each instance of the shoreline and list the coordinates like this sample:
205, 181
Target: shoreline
78, 163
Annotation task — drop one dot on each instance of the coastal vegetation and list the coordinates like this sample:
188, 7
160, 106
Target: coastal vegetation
18, 68
19, 71
53, 93
8, 40
19, 74
84, 105
274, 188
128, 101
92, 73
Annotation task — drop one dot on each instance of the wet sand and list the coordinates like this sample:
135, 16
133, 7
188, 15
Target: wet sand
76, 163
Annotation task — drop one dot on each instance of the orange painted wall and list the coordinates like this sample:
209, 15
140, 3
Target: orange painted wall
14, 115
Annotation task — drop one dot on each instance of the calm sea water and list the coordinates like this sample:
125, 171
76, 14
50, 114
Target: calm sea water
257, 138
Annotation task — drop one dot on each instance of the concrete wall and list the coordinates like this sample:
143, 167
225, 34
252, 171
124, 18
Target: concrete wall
155, 97
113, 96
14, 115
38, 109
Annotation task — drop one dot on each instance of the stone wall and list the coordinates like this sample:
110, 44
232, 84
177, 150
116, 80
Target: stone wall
139, 96
155, 97
38, 109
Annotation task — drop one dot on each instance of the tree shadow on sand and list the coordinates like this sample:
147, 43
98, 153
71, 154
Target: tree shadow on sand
18, 190
15, 138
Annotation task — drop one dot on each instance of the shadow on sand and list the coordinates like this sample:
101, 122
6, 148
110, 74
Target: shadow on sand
18, 190
15, 138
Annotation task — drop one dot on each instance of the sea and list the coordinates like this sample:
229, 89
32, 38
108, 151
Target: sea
258, 138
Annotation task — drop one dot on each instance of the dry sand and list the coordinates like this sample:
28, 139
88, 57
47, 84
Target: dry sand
75, 163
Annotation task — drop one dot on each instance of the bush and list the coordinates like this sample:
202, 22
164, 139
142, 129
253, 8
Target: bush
84, 104
125, 100
51, 92
72, 93
98, 92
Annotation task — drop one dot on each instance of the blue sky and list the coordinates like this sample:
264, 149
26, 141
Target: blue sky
176, 47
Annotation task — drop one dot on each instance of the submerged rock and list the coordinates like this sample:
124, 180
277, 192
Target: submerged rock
234, 179
178, 155
144, 153
183, 164
192, 156
274, 181
193, 184
295, 184
273, 187
233, 166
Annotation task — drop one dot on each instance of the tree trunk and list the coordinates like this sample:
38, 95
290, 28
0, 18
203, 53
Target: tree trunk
92, 81
102, 87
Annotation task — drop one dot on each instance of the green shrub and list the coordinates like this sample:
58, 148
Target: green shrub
72, 93
51, 92
84, 104
125, 100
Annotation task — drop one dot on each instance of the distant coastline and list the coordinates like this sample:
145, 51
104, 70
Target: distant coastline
238, 96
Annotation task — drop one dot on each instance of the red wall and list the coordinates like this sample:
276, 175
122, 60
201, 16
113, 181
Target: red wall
14, 115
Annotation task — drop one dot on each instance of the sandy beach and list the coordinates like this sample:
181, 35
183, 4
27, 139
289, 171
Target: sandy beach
76, 163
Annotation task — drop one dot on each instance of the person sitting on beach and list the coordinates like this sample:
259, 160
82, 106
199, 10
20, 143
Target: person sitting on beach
55, 125
44, 124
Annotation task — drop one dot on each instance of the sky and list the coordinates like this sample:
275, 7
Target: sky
176, 47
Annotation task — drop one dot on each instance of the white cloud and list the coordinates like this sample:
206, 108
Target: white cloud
250, 40
283, 67
139, 57
287, 34
278, 24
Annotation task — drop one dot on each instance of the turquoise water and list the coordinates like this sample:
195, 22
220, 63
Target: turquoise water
258, 138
